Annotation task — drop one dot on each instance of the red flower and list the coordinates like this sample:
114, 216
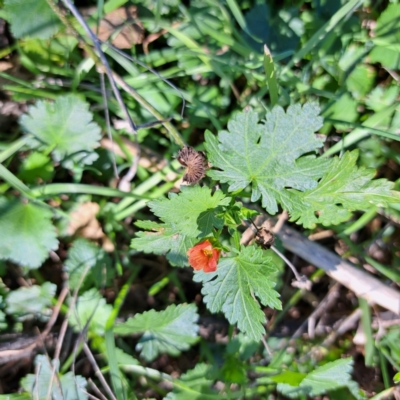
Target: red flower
204, 257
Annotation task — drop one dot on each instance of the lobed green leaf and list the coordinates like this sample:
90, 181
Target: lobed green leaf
195, 384
193, 212
264, 155
64, 387
235, 287
33, 301
27, 233
31, 18
170, 331
86, 259
163, 240
331, 376
65, 126
92, 311
343, 189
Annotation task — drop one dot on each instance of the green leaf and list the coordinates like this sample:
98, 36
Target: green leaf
170, 331
64, 387
233, 370
386, 31
125, 358
387, 38
30, 233
387, 56
192, 212
91, 308
242, 346
88, 260
36, 300
35, 167
343, 189
16, 396
382, 97
236, 284
343, 109
264, 155
361, 80
289, 377
391, 346
64, 126
164, 240
331, 376
32, 18
194, 385
292, 392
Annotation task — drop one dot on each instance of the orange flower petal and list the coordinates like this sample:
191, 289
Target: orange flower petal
204, 257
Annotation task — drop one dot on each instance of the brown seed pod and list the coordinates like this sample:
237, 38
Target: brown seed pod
195, 162
265, 238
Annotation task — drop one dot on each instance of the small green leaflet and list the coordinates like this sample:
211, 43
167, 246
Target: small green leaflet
187, 216
32, 301
193, 212
195, 384
87, 260
331, 376
170, 331
64, 387
231, 289
35, 167
91, 309
66, 127
264, 155
163, 240
343, 189
31, 18
27, 233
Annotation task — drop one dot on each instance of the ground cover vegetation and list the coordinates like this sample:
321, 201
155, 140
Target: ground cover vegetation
199, 199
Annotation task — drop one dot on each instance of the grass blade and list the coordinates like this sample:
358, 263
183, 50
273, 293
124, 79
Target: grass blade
62, 188
14, 182
271, 76
361, 133
320, 35
110, 341
366, 325
11, 149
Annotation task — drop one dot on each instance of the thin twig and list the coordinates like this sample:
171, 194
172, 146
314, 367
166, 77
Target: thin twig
107, 118
291, 266
264, 342
56, 311
393, 74
104, 62
97, 371
97, 44
349, 323
64, 325
132, 92
97, 390
323, 306
153, 71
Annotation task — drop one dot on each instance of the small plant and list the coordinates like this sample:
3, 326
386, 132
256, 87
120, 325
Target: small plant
274, 161
133, 233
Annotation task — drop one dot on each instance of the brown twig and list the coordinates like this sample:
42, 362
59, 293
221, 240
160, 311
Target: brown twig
348, 323
323, 307
97, 371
